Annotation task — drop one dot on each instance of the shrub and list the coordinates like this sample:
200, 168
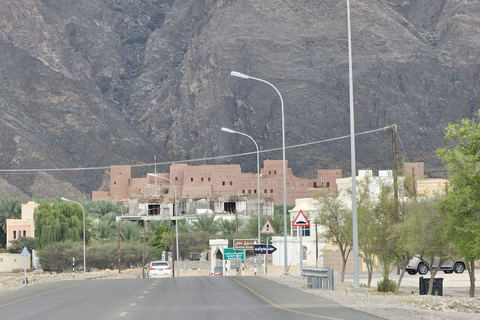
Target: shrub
386, 286
98, 256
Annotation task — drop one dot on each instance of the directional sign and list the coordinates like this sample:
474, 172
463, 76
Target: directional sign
244, 244
262, 249
232, 254
301, 220
267, 228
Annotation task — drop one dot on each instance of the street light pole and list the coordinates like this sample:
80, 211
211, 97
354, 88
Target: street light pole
84, 260
244, 76
176, 215
356, 280
258, 174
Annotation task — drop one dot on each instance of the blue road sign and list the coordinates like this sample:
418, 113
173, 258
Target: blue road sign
262, 249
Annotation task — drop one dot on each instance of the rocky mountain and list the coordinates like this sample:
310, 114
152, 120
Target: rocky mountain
94, 83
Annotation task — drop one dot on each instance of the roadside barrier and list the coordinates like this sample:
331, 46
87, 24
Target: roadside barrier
319, 278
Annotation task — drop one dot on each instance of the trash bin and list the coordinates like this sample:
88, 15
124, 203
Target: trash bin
437, 286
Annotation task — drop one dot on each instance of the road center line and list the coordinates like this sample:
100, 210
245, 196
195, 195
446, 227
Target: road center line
38, 295
123, 314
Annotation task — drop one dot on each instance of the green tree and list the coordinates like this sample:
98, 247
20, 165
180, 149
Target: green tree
60, 222
367, 226
191, 245
462, 204
206, 223
10, 208
17, 245
161, 237
338, 223
131, 231
104, 210
425, 229
104, 230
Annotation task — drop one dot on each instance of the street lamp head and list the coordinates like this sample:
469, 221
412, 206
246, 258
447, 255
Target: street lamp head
240, 75
65, 199
228, 130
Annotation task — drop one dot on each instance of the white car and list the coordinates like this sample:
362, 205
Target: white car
159, 269
415, 265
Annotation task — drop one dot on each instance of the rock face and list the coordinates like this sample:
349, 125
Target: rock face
93, 83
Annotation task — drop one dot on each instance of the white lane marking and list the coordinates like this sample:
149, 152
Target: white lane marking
145, 291
123, 314
133, 304
141, 297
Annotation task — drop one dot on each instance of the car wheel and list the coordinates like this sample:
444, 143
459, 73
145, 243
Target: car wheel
422, 268
459, 267
448, 271
412, 272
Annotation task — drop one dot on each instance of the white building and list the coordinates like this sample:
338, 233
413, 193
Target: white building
308, 252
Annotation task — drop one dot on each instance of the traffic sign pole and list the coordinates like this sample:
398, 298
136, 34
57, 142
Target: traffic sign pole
301, 252
266, 253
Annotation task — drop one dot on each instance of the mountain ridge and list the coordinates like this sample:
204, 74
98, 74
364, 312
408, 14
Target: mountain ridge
94, 83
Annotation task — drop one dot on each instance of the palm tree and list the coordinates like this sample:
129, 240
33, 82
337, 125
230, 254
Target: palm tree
10, 208
104, 210
229, 227
206, 223
104, 230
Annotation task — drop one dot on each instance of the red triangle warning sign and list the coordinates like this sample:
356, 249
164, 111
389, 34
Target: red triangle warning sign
301, 220
267, 228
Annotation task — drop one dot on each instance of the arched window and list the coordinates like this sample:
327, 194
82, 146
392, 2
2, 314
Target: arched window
305, 253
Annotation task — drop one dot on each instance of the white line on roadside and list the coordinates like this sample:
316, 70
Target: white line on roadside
123, 314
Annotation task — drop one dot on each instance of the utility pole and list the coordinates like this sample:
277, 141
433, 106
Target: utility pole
119, 253
395, 174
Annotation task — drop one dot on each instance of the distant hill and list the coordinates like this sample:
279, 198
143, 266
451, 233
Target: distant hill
94, 83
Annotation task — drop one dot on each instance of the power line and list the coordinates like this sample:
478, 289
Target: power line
191, 160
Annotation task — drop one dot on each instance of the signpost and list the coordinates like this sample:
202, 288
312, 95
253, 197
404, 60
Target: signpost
25, 254
232, 254
301, 221
244, 244
262, 249
268, 229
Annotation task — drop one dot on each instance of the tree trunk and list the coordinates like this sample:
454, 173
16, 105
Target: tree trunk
400, 278
471, 273
370, 273
433, 273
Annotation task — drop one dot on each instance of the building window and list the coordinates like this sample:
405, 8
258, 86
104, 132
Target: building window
265, 191
24, 233
271, 190
208, 179
328, 184
201, 179
231, 182
305, 253
243, 191
249, 191
191, 179
176, 178
275, 172
14, 234
255, 191
270, 172
19, 233
223, 183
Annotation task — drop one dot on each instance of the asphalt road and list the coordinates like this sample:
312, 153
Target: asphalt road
174, 298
